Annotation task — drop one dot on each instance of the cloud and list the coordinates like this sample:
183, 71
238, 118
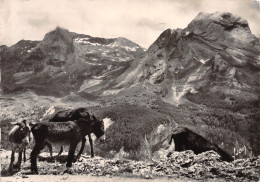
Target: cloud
38, 22
151, 24
140, 21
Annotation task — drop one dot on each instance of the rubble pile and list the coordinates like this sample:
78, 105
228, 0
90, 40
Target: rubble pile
181, 165
208, 165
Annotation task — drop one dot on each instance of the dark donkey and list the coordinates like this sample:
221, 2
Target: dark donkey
72, 115
65, 133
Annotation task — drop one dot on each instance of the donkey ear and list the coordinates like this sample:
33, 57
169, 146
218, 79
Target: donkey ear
92, 117
14, 123
25, 122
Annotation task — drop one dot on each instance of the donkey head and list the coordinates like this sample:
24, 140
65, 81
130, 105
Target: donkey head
98, 128
80, 113
22, 129
24, 125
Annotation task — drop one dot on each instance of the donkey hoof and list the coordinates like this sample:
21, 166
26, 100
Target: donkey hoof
34, 170
10, 170
75, 159
17, 166
68, 170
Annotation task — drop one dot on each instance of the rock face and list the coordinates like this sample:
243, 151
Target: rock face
215, 52
64, 61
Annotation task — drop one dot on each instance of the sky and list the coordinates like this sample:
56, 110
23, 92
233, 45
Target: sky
141, 21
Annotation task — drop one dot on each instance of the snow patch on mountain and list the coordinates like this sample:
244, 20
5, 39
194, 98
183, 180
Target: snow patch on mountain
192, 78
81, 40
98, 77
203, 61
94, 59
130, 48
160, 128
85, 41
179, 92
22, 77
187, 33
109, 67
116, 44
89, 83
232, 72
111, 92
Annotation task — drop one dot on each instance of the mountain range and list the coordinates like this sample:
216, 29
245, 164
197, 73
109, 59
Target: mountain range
65, 62
215, 52
205, 76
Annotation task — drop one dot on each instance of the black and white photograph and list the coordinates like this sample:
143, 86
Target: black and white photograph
129, 90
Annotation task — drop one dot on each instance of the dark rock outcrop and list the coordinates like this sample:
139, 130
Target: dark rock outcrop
185, 139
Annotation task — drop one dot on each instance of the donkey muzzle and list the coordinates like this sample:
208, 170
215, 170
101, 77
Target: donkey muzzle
102, 138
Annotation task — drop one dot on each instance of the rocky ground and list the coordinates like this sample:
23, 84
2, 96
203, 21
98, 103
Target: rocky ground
183, 166
76, 178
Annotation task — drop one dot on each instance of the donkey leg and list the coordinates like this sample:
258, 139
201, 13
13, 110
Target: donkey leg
91, 145
11, 163
24, 155
61, 150
35, 152
83, 142
19, 162
71, 154
49, 147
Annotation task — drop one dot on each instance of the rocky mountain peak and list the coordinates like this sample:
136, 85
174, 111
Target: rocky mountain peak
58, 33
58, 40
121, 41
213, 51
223, 18
221, 25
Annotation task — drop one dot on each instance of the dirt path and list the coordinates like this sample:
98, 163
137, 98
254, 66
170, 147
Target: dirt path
81, 178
